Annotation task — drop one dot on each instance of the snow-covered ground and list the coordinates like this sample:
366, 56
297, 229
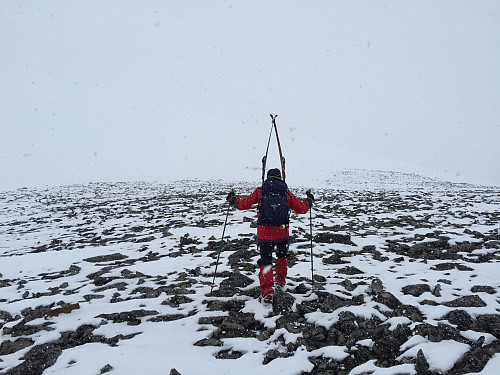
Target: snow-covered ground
401, 264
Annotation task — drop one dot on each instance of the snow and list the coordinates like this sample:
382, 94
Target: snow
441, 356
158, 347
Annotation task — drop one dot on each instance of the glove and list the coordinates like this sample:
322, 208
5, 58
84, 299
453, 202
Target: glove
231, 198
310, 198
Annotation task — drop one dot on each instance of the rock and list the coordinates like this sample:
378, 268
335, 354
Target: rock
315, 334
334, 259
301, 289
350, 270
236, 280
460, 318
443, 267
388, 299
483, 289
9, 347
348, 285
106, 369
174, 372
282, 302
209, 342
37, 360
437, 291
106, 258
488, 324
333, 238
131, 317
376, 286
228, 354
472, 362
466, 301
416, 290
439, 333
421, 365
330, 303
409, 311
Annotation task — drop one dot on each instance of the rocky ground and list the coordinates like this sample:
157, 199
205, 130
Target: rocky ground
405, 282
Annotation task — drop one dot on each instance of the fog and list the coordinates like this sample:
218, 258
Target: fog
166, 90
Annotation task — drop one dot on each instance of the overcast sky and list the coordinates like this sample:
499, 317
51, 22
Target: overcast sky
165, 90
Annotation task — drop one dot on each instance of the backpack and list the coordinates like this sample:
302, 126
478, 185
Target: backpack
273, 205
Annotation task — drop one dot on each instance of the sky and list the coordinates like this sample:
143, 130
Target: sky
166, 90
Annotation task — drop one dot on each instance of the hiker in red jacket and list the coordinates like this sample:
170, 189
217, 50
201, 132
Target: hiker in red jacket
275, 201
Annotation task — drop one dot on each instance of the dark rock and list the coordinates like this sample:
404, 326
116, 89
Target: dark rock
319, 279
174, 372
483, 289
282, 302
185, 240
443, 267
460, 318
5, 316
106, 369
301, 289
488, 324
388, 299
348, 285
421, 365
329, 302
228, 354
221, 305
106, 258
350, 270
466, 301
166, 318
409, 311
472, 362
9, 347
333, 238
334, 259
209, 342
177, 300
236, 280
376, 286
21, 329
416, 290
439, 333
437, 291
315, 334
37, 360
131, 317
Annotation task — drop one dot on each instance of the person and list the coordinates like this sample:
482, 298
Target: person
274, 203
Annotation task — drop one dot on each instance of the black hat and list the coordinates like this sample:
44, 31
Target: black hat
275, 172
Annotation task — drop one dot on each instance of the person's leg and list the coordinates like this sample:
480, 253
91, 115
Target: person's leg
266, 269
282, 262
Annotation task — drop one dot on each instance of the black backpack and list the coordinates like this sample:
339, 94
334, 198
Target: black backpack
273, 205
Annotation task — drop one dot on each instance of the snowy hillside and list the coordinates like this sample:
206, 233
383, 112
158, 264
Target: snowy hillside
116, 278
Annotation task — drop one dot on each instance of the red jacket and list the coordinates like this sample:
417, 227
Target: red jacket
267, 233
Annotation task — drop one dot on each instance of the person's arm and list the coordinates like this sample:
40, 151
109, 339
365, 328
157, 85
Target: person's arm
246, 202
300, 207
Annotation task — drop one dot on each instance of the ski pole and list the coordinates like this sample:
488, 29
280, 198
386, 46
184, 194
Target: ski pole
220, 247
311, 235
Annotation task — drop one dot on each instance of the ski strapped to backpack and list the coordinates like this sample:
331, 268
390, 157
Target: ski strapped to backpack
273, 204
282, 159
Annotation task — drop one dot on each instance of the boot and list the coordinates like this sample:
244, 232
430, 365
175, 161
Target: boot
266, 281
281, 271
